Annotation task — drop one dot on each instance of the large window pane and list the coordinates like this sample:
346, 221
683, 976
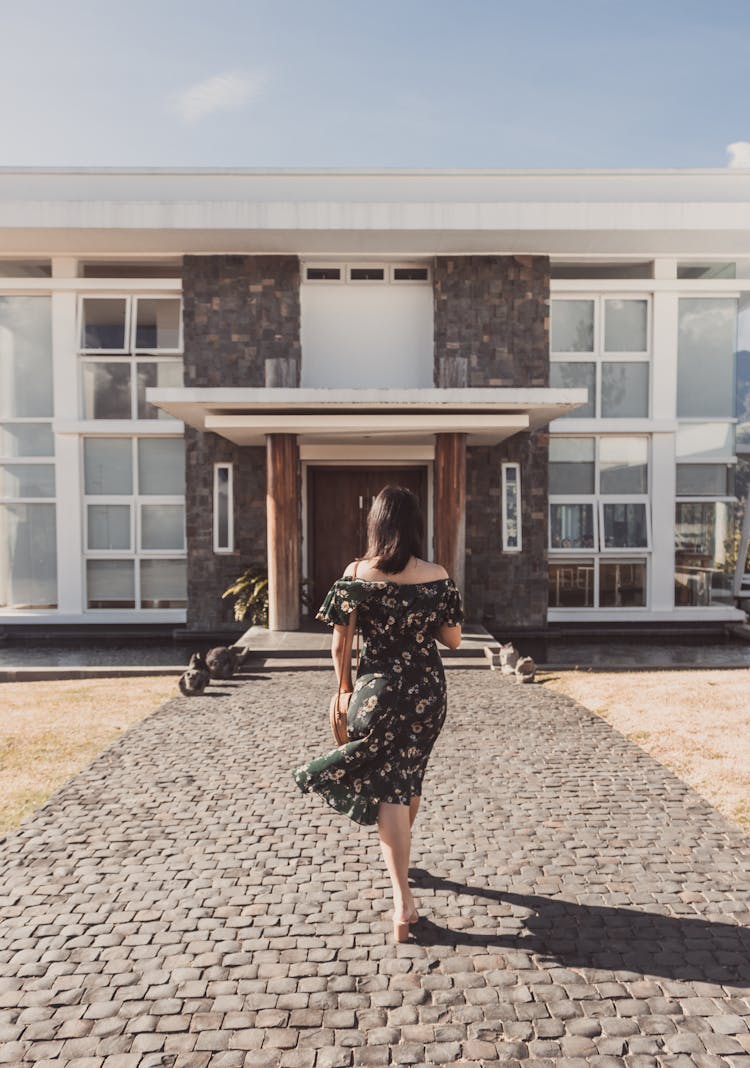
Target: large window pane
110, 583
108, 465
106, 390
571, 584
705, 552
705, 356
28, 556
571, 465
625, 525
27, 480
742, 403
166, 373
575, 375
109, 526
158, 323
162, 526
26, 439
25, 357
703, 480
625, 323
624, 389
623, 465
163, 583
103, 325
704, 440
571, 326
161, 466
572, 526
622, 583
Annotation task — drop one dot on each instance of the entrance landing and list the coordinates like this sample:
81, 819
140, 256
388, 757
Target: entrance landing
276, 650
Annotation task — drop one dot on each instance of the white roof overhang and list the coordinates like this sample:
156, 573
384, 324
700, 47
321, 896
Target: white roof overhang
163, 211
246, 416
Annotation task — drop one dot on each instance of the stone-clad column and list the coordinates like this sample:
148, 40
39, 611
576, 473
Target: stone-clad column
450, 504
282, 508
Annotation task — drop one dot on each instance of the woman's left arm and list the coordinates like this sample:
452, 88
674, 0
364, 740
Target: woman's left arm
338, 649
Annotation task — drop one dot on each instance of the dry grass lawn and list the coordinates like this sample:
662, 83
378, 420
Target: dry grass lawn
49, 731
695, 722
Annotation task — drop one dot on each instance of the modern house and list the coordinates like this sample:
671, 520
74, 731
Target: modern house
204, 371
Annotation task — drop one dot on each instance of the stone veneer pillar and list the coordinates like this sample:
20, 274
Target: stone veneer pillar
241, 323
492, 329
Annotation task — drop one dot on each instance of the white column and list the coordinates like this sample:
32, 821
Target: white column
68, 474
664, 360
663, 483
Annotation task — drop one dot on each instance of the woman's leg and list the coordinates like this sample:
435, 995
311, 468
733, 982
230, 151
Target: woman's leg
414, 808
394, 828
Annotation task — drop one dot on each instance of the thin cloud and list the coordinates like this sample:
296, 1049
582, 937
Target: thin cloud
223, 92
739, 154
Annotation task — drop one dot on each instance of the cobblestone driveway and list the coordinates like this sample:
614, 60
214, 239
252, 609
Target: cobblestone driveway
182, 903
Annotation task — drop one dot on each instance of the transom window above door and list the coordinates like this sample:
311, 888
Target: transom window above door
602, 343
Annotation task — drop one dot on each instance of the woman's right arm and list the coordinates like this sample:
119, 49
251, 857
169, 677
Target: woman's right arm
450, 635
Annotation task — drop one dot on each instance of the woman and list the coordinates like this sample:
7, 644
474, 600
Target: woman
398, 703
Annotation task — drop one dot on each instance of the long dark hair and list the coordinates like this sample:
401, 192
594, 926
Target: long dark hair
394, 529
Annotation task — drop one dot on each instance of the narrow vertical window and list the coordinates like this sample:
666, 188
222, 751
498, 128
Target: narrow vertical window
223, 509
511, 502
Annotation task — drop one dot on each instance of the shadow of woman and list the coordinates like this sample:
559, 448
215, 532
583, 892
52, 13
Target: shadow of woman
690, 949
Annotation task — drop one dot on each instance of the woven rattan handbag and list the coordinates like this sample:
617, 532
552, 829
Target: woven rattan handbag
339, 707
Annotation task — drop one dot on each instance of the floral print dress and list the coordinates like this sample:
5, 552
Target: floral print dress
399, 704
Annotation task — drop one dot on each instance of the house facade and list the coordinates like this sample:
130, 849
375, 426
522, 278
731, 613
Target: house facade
204, 372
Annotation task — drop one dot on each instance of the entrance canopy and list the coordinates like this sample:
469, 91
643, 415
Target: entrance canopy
414, 416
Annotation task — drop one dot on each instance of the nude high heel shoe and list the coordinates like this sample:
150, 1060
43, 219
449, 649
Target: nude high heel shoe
400, 930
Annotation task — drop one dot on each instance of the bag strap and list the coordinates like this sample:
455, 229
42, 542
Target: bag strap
346, 672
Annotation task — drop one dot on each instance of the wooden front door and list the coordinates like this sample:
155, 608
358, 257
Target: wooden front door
338, 501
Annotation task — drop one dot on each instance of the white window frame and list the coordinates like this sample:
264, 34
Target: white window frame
598, 355
504, 506
229, 548
134, 500
340, 267
345, 268
565, 556
126, 328
136, 298
410, 281
367, 267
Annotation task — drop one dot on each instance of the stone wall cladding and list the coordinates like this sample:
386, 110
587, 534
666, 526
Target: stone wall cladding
238, 312
492, 319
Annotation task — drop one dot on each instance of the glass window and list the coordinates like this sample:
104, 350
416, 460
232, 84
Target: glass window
163, 583
324, 274
162, 526
575, 375
572, 325
707, 334
366, 274
164, 373
161, 466
705, 552
27, 480
571, 465
25, 357
598, 269
572, 526
623, 465
106, 390
706, 270
103, 323
624, 389
704, 480
410, 274
108, 526
223, 508
110, 583
704, 440
625, 325
511, 507
157, 323
571, 584
742, 390
28, 556
26, 439
108, 465
624, 525
622, 583
25, 268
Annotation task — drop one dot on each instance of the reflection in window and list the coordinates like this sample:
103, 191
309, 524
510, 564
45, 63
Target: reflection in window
163, 583
157, 325
622, 583
579, 376
624, 525
706, 547
223, 508
156, 373
742, 392
25, 357
571, 326
623, 465
572, 526
625, 325
28, 556
705, 480
571, 465
511, 507
624, 389
103, 323
110, 583
707, 336
106, 390
571, 584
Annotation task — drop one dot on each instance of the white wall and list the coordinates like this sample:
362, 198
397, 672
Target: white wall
366, 334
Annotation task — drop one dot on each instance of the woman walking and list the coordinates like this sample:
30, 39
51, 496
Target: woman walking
398, 705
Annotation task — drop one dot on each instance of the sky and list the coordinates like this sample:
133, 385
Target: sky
382, 83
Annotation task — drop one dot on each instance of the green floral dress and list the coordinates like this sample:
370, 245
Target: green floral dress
399, 702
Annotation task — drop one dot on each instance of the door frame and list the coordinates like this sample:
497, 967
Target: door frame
390, 456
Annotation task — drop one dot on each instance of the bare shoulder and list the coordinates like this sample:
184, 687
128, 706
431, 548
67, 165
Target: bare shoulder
437, 571
349, 569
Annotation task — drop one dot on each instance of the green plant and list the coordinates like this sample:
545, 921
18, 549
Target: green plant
250, 592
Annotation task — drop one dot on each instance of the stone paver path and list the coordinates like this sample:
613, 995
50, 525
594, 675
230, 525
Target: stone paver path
182, 903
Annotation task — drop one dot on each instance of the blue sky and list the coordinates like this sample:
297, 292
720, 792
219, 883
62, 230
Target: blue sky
385, 83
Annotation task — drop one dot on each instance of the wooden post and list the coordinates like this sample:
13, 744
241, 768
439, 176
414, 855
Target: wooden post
450, 505
282, 517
